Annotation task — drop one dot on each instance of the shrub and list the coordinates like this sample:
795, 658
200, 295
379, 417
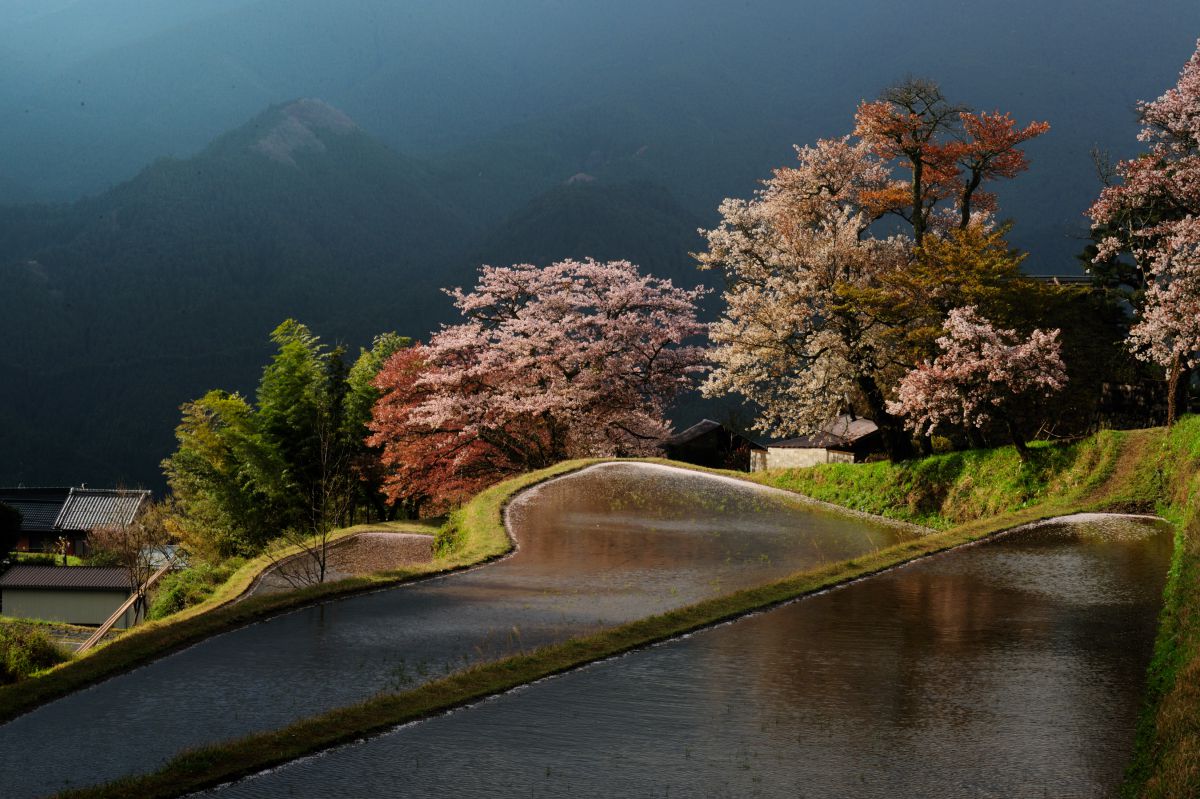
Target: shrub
39, 559
24, 650
190, 586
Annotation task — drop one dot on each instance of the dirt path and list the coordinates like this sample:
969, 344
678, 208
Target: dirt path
1132, 449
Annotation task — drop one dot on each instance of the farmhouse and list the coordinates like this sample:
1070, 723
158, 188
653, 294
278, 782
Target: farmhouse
71, 594
711, 444
48, 514
844, 439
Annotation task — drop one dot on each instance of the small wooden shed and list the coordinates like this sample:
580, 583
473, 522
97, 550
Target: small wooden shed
844, 439
71, 594
711, 444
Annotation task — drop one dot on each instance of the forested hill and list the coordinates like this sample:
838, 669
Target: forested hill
118, 308
637, 221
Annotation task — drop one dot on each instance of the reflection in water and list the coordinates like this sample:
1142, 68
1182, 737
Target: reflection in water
603, 546
1009, 669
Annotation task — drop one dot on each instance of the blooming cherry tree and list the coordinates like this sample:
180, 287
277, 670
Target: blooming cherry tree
1153, 213
788, 340
983, 375
579, 358
803, 264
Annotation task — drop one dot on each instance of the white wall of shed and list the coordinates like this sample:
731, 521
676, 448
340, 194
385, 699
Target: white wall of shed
70, 606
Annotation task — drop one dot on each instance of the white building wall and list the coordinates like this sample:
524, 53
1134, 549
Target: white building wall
795, 457
798, 458
70, 606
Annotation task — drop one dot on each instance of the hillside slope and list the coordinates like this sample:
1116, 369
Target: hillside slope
120, 307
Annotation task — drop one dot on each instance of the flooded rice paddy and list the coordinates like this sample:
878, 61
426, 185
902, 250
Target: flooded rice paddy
1013, 668
603, 546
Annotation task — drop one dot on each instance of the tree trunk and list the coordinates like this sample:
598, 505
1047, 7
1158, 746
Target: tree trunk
1018, 441
965, 201
1173, 389
918, 201
896, 440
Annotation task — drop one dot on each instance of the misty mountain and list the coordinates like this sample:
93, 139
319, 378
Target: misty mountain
121, 307
505, 100
635, 221
118, 308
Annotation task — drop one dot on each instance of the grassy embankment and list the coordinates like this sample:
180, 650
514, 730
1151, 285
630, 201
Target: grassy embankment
970, 496
475, 542
1166, 762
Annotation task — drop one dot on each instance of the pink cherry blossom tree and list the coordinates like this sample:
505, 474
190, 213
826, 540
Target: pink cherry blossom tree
983, 375
791, 339
1153, 214
579, 358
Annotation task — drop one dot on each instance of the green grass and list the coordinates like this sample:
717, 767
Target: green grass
180, 590
46, 559
1166, 761
946, 490
1088, 476
26, 649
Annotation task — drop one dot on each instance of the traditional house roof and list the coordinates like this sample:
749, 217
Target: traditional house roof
80, 578
838, 433
39, 507
699, 430
88, 508
48, 510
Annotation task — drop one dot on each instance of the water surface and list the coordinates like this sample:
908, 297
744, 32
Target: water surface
603, 546
1013, 668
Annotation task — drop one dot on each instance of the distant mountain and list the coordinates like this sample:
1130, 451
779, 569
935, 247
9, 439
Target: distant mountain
636, 221
118, 308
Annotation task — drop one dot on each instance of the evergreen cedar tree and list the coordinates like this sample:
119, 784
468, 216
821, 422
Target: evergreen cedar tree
817, 300
984, 375
579, 358
1153, 214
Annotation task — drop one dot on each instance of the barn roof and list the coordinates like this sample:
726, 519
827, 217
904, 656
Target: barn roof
47, 510
841, 431
65, 577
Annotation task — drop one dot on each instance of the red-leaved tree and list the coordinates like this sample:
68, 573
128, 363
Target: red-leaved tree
948, 150
579, 358
983, 375
422, 464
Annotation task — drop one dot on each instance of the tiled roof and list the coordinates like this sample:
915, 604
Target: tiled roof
841, 431
37, 515
46, 510
693, 432
701, 428
88, 508
71, 577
